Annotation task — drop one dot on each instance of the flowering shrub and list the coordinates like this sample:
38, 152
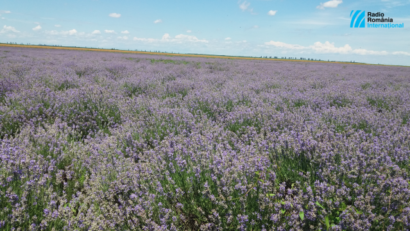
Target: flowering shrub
104, 141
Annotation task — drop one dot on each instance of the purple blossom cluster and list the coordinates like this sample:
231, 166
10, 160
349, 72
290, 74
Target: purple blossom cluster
107, 141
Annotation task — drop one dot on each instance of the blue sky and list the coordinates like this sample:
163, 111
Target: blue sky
317, 29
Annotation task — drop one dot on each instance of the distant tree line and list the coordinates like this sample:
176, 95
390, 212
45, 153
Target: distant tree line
295, 58
263, 57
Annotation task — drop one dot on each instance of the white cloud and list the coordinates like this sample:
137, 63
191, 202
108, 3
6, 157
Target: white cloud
114, 15
109, 31
8, 29
272, 12
284, 45
401, 53
125, 32
145, 39
189, 38
227, 38
255, 27
4, 12
369, 52
244, 5
181, 38
96, 32
188, 31
326, 47
37, 28
57, 25
157, 21
329, 4
166, 36
69, 32
53, 32
123, 37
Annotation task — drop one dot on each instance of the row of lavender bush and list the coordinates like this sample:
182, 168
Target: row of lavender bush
104, 141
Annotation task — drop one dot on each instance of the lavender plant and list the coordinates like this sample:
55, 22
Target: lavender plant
108, 141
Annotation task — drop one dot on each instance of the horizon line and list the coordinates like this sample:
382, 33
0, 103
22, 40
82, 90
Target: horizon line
136, 51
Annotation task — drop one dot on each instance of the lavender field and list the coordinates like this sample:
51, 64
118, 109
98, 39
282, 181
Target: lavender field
105, 141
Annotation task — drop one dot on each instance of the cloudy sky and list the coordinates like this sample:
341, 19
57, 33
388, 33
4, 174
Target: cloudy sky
310, 29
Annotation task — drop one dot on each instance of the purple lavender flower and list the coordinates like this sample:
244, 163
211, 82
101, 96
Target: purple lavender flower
133, 140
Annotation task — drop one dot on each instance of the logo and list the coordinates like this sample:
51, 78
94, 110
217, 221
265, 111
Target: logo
374, 20
358, 20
